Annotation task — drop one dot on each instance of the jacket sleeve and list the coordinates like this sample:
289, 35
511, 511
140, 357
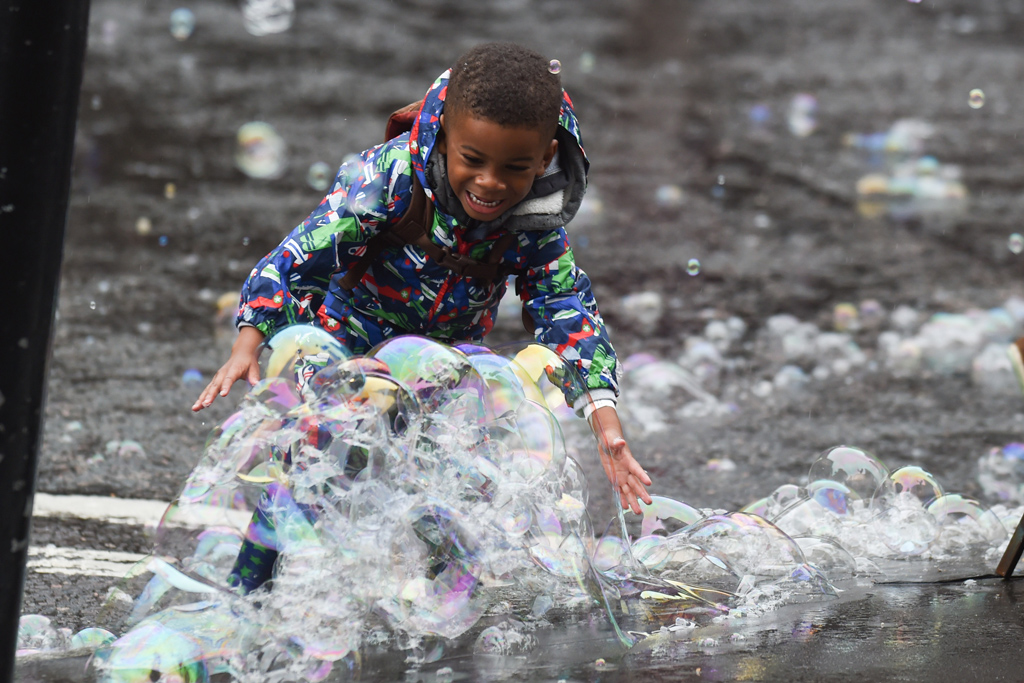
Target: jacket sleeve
556, 294
288, 284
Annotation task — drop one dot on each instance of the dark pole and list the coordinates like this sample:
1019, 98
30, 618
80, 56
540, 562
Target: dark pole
42, 49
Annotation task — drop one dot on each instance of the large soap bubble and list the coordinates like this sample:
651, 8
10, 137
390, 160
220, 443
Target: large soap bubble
298, 352
855, 468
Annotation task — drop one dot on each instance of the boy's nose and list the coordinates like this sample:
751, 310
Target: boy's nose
490, 181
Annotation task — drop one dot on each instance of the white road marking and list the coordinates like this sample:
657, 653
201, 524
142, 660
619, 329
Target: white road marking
136, 511
75, 561
150, 514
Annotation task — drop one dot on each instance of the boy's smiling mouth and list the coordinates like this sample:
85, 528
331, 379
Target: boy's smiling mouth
480, 205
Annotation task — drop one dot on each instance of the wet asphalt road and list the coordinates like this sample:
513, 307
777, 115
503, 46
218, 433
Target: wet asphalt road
667, 101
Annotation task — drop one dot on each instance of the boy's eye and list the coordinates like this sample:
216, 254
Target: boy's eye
471, 159
518, 169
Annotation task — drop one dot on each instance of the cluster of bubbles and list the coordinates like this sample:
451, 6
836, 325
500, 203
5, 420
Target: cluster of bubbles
909, 183
713, 375
37, 634
414, 490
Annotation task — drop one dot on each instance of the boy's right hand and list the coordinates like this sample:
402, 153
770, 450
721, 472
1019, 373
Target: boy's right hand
242, 364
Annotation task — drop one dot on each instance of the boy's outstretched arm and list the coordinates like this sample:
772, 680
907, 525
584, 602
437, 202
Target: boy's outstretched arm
241, 364
624, 472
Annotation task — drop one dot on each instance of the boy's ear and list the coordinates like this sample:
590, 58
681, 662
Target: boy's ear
548, 156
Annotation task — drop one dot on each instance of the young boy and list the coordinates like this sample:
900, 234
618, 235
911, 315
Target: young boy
495, 149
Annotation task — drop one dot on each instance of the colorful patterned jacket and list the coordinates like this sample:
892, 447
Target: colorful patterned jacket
406, 291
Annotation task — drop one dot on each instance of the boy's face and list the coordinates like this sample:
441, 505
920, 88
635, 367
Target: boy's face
491, 167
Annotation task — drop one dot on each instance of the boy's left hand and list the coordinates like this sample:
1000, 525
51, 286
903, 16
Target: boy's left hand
629, 479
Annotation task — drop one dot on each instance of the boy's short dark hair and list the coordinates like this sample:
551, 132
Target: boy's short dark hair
508, 84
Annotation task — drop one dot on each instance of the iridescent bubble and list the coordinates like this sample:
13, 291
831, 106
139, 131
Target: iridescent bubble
857, 469
437, 374
665, 516
693, 267
967, 516
542, 369
828, 556
912, 481
319, 176
259, 151
263, 17
507, 639
192, 378
1016, 243
36, 634
976, 98
298, 352
809, 517
183, 22
554, 66
92, 638
833, 496
747, 544
845, 317
669, 196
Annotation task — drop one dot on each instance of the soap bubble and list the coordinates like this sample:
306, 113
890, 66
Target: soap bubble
554, 66
833, 496
954, 511
259, 151
1016, 243
1001, 473
747, 544
319, 176
298, 352
669, 196
911, 481
828, 556
92, 638
693, 267
906, 527
858, 469
976, 98
36, 634
263, 17
507, 639
183, 22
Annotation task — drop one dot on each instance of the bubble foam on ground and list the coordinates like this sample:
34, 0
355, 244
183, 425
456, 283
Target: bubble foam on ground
423, 495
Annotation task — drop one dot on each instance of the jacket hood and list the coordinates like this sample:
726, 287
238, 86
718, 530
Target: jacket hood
554, 198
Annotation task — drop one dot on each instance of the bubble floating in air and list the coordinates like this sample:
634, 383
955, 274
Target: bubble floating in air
264, 17
1016, 243
587, 62
554, 66
183, 23
260, 150
976, 98
319, 176
693, 267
